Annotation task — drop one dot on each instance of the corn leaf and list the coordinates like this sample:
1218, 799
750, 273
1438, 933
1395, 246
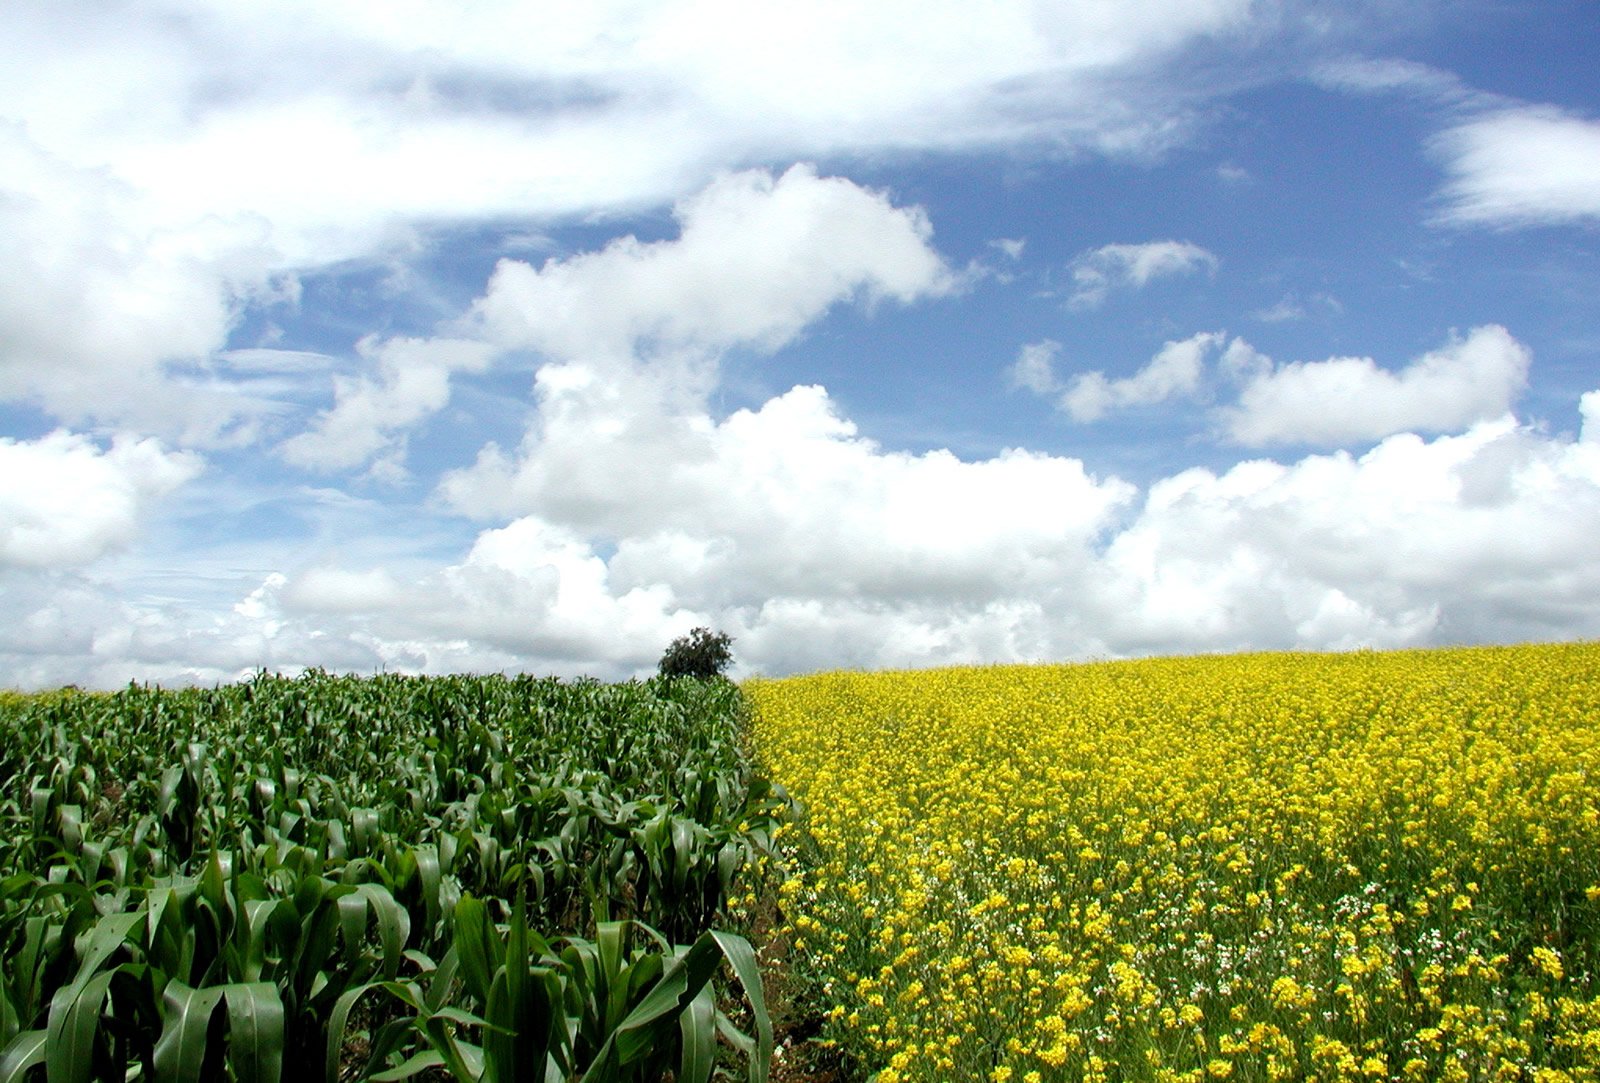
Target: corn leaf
180, 1052
255, 1031
74, 1021
25, 1051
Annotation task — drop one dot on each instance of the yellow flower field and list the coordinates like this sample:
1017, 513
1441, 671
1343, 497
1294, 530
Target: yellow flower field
1276, 866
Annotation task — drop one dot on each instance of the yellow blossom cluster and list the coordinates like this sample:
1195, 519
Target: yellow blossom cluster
1260, 867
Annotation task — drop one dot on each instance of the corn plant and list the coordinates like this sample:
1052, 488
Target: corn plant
601, 1010
233, 882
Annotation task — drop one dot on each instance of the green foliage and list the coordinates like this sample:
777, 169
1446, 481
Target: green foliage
347, 875
702, 654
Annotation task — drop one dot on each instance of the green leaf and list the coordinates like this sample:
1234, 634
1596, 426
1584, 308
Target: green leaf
462, 1059
109, 935
394, 925
682, 852
477, 945
416, 1065
180, 1051
728, 860
25, 1051
74, 1021
255, 1031
635, 1035
258, 914
698, 1029
427, 859
352, 922
319, 935
338, 1020
742, 958
214, 883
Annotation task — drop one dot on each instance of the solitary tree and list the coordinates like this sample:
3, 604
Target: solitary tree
701, 654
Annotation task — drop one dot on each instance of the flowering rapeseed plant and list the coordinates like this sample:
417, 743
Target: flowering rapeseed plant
1335, 867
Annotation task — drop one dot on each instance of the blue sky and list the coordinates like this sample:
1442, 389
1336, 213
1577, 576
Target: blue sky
516, 336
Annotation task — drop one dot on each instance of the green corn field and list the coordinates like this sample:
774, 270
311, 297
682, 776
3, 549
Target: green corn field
478, 878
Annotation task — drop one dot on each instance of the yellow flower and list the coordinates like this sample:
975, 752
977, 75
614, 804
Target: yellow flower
1549, 962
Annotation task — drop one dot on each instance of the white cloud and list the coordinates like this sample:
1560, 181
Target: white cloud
1352, 399
1097, 272
1380, 75
1319, 403
784, 501
98, 299
530, 110
1293, 307
1176, 370
1034, 368
65, 500
758, 257
1589, 410
1521, 166
165, 166
1476, 537
634, 330
325, 590
413, 382
816, 548
1508, 163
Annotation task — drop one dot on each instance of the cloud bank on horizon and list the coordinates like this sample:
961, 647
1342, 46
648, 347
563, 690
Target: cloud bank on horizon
396, 336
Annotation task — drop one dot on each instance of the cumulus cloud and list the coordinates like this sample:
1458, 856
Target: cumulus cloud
1410, 543
1521, 166
718, 511
1352, 399
1176, 370
1407, 544
101, 303
413, 382
66, 500
757, 258
827, 550
1508, 163
165, 168
1589, 410
1099, 271
1330, 403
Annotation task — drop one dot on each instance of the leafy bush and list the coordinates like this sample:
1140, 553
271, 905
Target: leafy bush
701, 654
